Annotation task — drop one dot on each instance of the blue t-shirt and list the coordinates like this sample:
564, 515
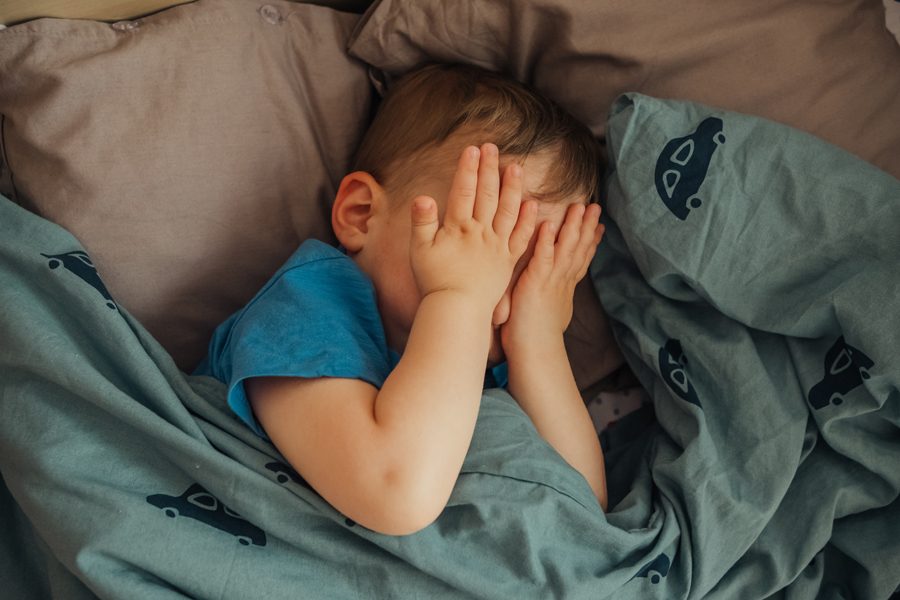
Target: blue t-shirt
316, 317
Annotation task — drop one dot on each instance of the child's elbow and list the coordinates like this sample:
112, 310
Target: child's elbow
400, 511
401, 524
399, 520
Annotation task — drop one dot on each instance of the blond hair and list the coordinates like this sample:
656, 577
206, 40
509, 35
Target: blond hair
444, 104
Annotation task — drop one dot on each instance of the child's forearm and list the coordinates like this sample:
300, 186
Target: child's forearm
551, 399
428, 406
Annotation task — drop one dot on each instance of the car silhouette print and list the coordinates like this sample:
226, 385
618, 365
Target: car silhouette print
845, 368
80, 264
655, 569
197, 503
672, 362
682, 166
284, 473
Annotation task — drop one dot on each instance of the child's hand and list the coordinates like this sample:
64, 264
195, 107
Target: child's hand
485, 230
541, 303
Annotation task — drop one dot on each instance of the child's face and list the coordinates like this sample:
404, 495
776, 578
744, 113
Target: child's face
385, 256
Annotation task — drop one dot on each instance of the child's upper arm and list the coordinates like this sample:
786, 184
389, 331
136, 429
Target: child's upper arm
326, 429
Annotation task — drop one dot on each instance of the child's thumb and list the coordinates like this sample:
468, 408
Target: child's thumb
424, 219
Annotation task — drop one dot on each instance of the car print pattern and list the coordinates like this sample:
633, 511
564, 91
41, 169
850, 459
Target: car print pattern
79, 263
683, 164
284, 473
672, 365
656, 569
197, 503
845, 369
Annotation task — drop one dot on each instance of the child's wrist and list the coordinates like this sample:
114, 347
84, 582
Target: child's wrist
475, 305
538, 347
531, 364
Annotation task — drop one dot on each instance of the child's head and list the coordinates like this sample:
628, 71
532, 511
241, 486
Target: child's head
430, 115
427, 118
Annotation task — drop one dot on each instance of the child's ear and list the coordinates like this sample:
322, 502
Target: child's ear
353, 205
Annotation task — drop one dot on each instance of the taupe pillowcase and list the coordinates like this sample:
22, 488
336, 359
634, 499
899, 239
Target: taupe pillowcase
831, 69
189, 151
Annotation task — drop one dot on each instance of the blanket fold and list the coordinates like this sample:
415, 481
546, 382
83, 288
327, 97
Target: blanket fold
753, 277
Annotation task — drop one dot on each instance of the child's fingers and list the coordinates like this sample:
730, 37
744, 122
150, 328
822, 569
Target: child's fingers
588, 255
569, 233
588, 227
424, 220
488, 188
591, 233
510, 201
542, 260
521, 234
461, 200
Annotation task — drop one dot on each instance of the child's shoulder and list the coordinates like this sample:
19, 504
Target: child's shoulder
316, 256
314, 264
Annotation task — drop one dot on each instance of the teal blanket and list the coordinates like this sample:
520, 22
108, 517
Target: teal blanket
752, 276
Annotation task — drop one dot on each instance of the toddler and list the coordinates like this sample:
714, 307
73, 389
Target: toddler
463, 229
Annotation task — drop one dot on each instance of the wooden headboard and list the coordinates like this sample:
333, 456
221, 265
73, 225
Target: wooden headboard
14, 11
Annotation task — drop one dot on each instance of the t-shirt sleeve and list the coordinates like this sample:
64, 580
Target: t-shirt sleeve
318, 319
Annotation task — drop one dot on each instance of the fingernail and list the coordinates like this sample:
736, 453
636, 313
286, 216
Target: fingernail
473, 152
515, 170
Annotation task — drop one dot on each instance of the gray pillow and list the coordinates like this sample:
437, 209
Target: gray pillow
190, 151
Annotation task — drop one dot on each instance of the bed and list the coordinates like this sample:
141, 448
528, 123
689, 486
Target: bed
736, 340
